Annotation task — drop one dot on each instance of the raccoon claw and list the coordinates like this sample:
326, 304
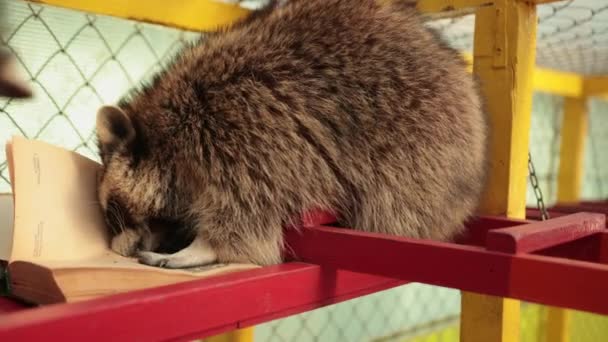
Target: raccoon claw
152, 259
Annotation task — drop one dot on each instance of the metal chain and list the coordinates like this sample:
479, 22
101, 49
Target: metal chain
540, 202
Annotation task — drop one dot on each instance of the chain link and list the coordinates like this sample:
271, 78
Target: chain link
540, 202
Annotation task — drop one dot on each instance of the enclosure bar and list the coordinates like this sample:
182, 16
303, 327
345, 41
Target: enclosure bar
549, 81
558, 82
505, 37
541, 235
558, 324
504, 55
437, 6
550, 280
194, 15
208, 15
194, 309
233, 336
596, 86
538, 2
572, 150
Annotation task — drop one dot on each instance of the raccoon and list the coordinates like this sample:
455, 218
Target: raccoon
353, 106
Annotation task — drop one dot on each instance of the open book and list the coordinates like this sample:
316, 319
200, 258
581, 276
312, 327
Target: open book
57, 247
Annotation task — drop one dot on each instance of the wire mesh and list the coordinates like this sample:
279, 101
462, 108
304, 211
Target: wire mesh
545, 138
572, 35
394, 314
544, 145
595, 181
77, 61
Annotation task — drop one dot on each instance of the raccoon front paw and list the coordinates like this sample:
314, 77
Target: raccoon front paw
198, 253
153, 259
126, 242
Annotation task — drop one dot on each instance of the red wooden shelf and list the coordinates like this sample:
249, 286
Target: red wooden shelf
589, 206
559, 262
194, 309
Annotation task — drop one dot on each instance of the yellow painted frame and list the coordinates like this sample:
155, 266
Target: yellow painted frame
556, 82
240, 335
596, 86
504, 54
451, 7
193, 15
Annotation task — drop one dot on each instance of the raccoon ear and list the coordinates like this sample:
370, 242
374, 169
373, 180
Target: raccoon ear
114, 126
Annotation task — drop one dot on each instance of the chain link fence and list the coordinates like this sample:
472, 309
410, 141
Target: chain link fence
77, 61
394, 314
572, 35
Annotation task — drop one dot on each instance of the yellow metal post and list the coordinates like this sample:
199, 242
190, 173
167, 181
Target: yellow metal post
504, 54
487, 318
572, 150
558, 325
241, 335
596, 86
195, 15
558, 82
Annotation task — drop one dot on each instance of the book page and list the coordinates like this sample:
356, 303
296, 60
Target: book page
7, 211
6, 226
57, 213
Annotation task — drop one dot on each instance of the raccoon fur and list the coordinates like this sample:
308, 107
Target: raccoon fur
353, 106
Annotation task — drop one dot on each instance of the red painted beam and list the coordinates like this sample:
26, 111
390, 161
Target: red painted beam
195, 309
585, 249
603, 253
540, 235
599, 207
478, 227
535, 278
535, 214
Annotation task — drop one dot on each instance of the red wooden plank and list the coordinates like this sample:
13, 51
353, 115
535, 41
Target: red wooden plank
596, 203
576, 208
477, 229
603, 254
534, 214
540, 235
565, 283
475, 233
193, 309
570, 284
584, 249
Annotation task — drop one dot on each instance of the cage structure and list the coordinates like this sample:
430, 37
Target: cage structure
505, 258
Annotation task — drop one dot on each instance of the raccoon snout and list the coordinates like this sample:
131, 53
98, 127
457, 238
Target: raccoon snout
126, 242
